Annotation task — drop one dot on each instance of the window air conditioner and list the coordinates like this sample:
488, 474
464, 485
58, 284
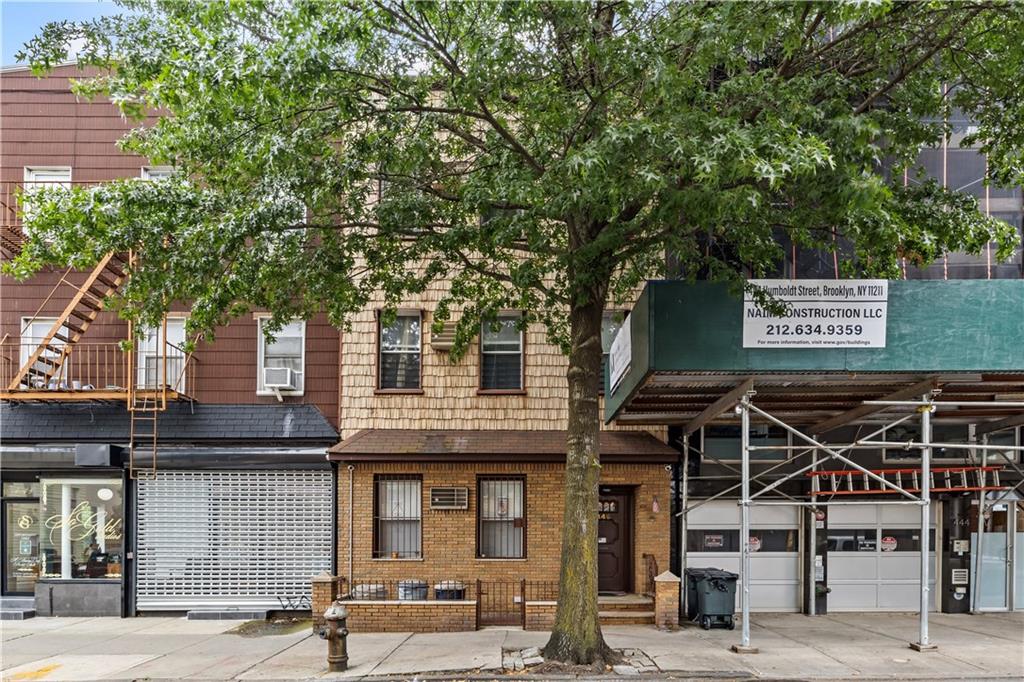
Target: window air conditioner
449, 498
280, 378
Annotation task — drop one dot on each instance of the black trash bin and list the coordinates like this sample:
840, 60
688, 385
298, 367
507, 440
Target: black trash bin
711, 597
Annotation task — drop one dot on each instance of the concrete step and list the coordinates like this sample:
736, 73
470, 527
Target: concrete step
17, 614
627, 603
227, 614
626, 617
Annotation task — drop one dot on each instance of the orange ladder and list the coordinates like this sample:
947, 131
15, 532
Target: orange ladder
942, 480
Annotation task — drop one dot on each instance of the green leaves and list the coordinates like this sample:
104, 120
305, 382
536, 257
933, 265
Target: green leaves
539, 155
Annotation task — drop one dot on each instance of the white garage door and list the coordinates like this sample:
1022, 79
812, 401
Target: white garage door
713, 537
873, 557
209, 539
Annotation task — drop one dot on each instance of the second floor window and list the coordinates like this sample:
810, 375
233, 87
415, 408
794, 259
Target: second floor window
160, 365
399, 360
501, 354
281, 362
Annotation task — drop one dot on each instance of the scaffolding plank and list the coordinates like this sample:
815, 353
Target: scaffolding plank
1009, 422
719, 406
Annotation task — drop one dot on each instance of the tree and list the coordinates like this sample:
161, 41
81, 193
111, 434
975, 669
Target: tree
545, 156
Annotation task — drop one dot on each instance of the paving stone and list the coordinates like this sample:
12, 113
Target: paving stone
519, 665
533, 660
625, 670
530, 652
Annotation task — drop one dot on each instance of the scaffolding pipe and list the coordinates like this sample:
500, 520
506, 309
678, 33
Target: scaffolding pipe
682, 524
834, 503
975, 587
912, 445
812, 572
815, 461
745, 521
948, 403
832, 452
926, 453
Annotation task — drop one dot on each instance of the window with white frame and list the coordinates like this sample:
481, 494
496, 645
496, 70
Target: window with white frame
501, 354
156, 172
33, 333
42, 178
281, 362
160, 365
399, 361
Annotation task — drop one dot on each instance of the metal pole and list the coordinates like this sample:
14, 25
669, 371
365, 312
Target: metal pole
682, 523
976, 587
812, 563
744, 646
922, 643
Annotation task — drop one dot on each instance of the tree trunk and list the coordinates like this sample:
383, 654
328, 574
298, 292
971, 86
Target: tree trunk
576, 636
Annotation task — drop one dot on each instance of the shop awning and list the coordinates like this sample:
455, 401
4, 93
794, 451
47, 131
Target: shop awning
687, 364
423, 445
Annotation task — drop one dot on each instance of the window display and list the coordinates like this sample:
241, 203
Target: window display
82, 528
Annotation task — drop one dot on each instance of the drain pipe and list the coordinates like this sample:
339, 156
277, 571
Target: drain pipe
351, 529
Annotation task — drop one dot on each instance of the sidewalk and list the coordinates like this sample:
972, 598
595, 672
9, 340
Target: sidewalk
841, 646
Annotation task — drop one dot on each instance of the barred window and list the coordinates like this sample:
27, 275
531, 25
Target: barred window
400, 353
397, 515
501, 354
501, 518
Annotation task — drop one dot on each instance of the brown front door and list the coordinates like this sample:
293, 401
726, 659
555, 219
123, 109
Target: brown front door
614, 544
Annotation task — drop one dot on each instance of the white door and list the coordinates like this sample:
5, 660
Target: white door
712, 540
874, 559
155, 359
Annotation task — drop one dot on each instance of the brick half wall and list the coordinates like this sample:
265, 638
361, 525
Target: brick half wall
411, 616
540, 615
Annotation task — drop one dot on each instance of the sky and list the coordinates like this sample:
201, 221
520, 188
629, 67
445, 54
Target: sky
22, 19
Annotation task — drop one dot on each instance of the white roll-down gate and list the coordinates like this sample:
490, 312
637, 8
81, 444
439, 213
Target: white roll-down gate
221, 539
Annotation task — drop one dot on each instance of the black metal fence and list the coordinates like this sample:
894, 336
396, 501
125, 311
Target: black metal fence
498, 602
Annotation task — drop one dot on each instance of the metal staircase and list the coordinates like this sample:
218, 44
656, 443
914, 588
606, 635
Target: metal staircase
957, 479
43, 366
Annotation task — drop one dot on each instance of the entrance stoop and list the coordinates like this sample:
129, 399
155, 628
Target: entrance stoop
626, 609
17, 608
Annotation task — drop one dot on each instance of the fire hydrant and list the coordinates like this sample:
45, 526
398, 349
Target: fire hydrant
336, 634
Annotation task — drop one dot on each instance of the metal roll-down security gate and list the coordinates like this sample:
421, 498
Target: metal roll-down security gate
911, 487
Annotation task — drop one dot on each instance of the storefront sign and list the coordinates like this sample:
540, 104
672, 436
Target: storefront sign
619, 356
82, 523
820, 313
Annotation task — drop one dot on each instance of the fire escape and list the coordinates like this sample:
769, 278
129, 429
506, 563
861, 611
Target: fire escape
53, 361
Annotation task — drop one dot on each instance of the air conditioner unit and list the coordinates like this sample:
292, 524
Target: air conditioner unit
449, 498
280, 378
443, 340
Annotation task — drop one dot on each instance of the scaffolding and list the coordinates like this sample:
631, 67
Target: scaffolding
916, 490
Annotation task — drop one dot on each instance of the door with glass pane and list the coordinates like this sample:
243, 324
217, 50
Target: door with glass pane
21, 546
1018, 558
991, 592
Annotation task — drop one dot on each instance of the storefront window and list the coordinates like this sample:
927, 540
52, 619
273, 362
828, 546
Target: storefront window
21, 489
905, 540
82, 533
